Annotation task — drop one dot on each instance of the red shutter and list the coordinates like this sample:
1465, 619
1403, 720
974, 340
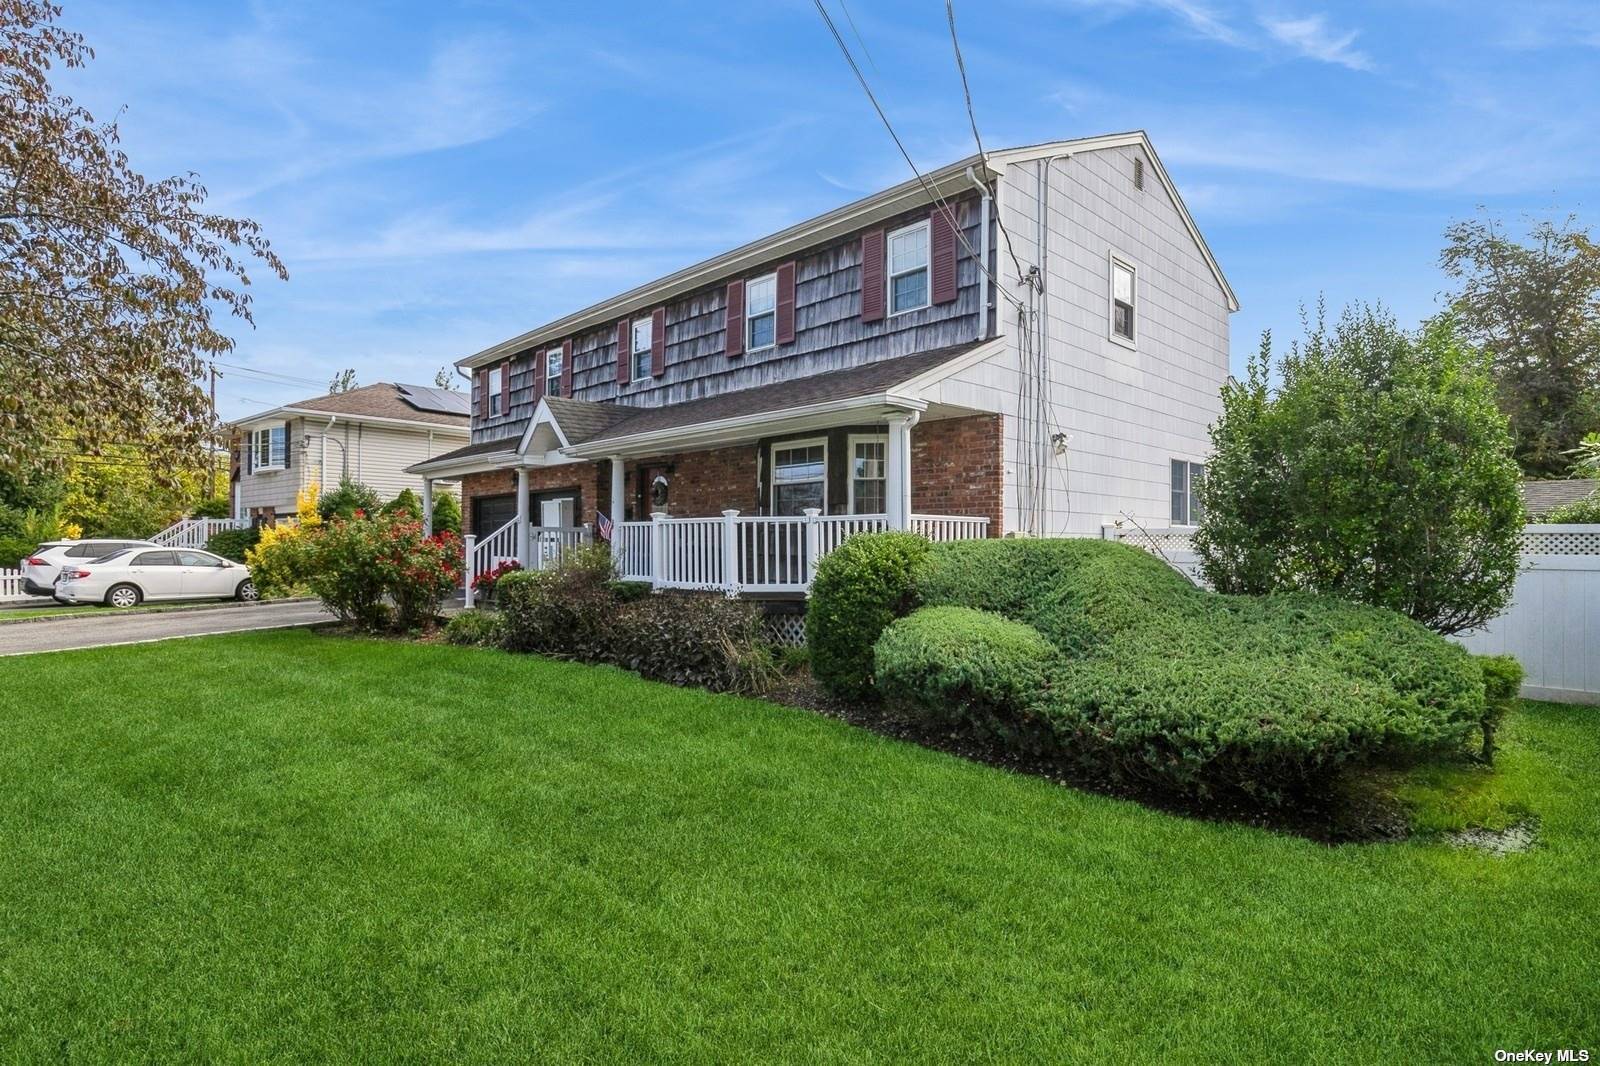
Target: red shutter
483, 393
566, 368
872, 291
505, 388
624, 352
658, 342
786, 304
942, 255
538, 370
734, 344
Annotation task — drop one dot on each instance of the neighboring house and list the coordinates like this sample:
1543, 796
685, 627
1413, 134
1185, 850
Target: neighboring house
1539, 498
369, 434
862, 366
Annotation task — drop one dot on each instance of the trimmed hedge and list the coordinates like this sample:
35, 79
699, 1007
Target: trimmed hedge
233, 543
1502, 684
1158, 682
859, 588
969, 666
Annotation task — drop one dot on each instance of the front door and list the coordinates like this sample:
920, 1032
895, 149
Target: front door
559, 511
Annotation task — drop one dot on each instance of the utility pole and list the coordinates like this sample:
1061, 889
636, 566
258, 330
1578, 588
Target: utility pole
216, 437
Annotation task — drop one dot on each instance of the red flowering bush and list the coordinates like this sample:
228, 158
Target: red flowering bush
379, 572
486, 581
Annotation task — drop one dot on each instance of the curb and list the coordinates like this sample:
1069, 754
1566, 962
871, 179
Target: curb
187, 608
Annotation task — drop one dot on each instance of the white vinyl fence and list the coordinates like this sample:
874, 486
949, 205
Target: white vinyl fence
1552, 625
11, 586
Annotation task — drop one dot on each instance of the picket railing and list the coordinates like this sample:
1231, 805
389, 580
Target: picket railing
194, 532
547, 545
754, 553
11, 586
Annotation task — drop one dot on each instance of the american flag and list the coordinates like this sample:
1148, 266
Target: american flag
602, 525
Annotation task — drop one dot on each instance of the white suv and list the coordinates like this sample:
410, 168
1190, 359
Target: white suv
39, 570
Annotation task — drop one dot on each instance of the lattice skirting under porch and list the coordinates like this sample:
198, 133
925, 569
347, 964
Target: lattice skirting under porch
786, 630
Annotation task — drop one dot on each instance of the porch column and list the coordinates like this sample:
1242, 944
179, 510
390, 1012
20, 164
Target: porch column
522, 517
618, 510
427, 507
897, 475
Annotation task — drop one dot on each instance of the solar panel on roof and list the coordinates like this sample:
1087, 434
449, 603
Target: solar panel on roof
438, 401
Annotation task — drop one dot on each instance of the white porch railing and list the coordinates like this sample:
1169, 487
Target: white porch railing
547, 545
11, 586
194, 532
754, 553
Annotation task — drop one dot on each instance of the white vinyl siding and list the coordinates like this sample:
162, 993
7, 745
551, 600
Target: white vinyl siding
908, 269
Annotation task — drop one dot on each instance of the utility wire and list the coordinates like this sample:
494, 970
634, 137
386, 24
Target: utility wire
873, 63
289, 378
933, 194
966, 91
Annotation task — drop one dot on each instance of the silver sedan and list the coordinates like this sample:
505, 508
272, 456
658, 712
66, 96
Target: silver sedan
139, 575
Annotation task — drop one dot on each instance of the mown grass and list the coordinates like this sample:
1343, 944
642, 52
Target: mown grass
289, 846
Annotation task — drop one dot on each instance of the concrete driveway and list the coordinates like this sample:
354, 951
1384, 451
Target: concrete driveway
108, 627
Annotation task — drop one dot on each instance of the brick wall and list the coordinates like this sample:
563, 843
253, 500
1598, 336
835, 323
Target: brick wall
957, 467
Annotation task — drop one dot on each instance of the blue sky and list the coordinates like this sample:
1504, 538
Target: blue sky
441, 176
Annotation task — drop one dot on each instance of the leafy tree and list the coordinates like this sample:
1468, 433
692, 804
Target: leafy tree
109, 281
446, 379
348, 498
446, 513
1379, 470
121, 493
1535, 309
1586, 456
343, 381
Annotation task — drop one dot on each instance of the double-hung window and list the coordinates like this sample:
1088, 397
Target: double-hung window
1123, 278
868, 457
270, 447
496, 380
908, 268
799, 473
642, 340
1187, 477
552, 372
761, 313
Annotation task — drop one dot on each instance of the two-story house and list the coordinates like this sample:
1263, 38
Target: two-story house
1031, 342
369, 434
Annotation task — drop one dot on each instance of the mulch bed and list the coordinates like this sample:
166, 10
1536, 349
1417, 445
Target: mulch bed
1357, 813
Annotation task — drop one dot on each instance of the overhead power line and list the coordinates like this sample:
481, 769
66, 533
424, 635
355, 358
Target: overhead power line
933, 194
966, 92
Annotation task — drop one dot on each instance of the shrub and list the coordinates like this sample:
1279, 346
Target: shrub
446, 514
486, 581
1577, 513
860, 587
1502, 683
216, 507
473, 628
568, 610
361, 567
971, 667
348, 501
405, 505
1162, 683
282, 560
234, 543
695, 639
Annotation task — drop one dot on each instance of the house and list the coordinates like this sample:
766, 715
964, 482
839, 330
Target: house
369, 434
1029, 342
1540, 497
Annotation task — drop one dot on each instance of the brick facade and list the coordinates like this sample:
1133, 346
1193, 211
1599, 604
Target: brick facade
956, 468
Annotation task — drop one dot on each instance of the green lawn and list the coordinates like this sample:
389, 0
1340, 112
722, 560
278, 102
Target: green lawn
286, 845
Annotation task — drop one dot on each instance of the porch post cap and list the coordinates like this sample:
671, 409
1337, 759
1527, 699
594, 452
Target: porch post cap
731, 513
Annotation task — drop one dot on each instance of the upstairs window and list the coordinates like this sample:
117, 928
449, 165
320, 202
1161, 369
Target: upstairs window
496, 379
552, 372
1187, 477
761, 313
908, 268
270, 447
642, 338
1122, 300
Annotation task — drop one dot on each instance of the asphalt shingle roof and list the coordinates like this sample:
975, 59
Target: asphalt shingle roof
1541, 497
383, 400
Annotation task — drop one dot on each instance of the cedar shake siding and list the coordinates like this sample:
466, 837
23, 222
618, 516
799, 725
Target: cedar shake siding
693, 356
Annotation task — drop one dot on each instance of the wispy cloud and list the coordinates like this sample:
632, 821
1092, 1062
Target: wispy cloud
1312, 37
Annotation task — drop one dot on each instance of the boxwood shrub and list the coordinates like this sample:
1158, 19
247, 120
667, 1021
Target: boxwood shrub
1502, 682
1158, 682
859, 588
970, 666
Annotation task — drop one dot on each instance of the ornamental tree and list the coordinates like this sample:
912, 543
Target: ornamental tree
1369, 463
110, 282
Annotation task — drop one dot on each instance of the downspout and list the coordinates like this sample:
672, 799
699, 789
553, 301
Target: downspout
322, 464
983, 252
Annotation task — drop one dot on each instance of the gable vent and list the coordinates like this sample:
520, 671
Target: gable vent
1138, 173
